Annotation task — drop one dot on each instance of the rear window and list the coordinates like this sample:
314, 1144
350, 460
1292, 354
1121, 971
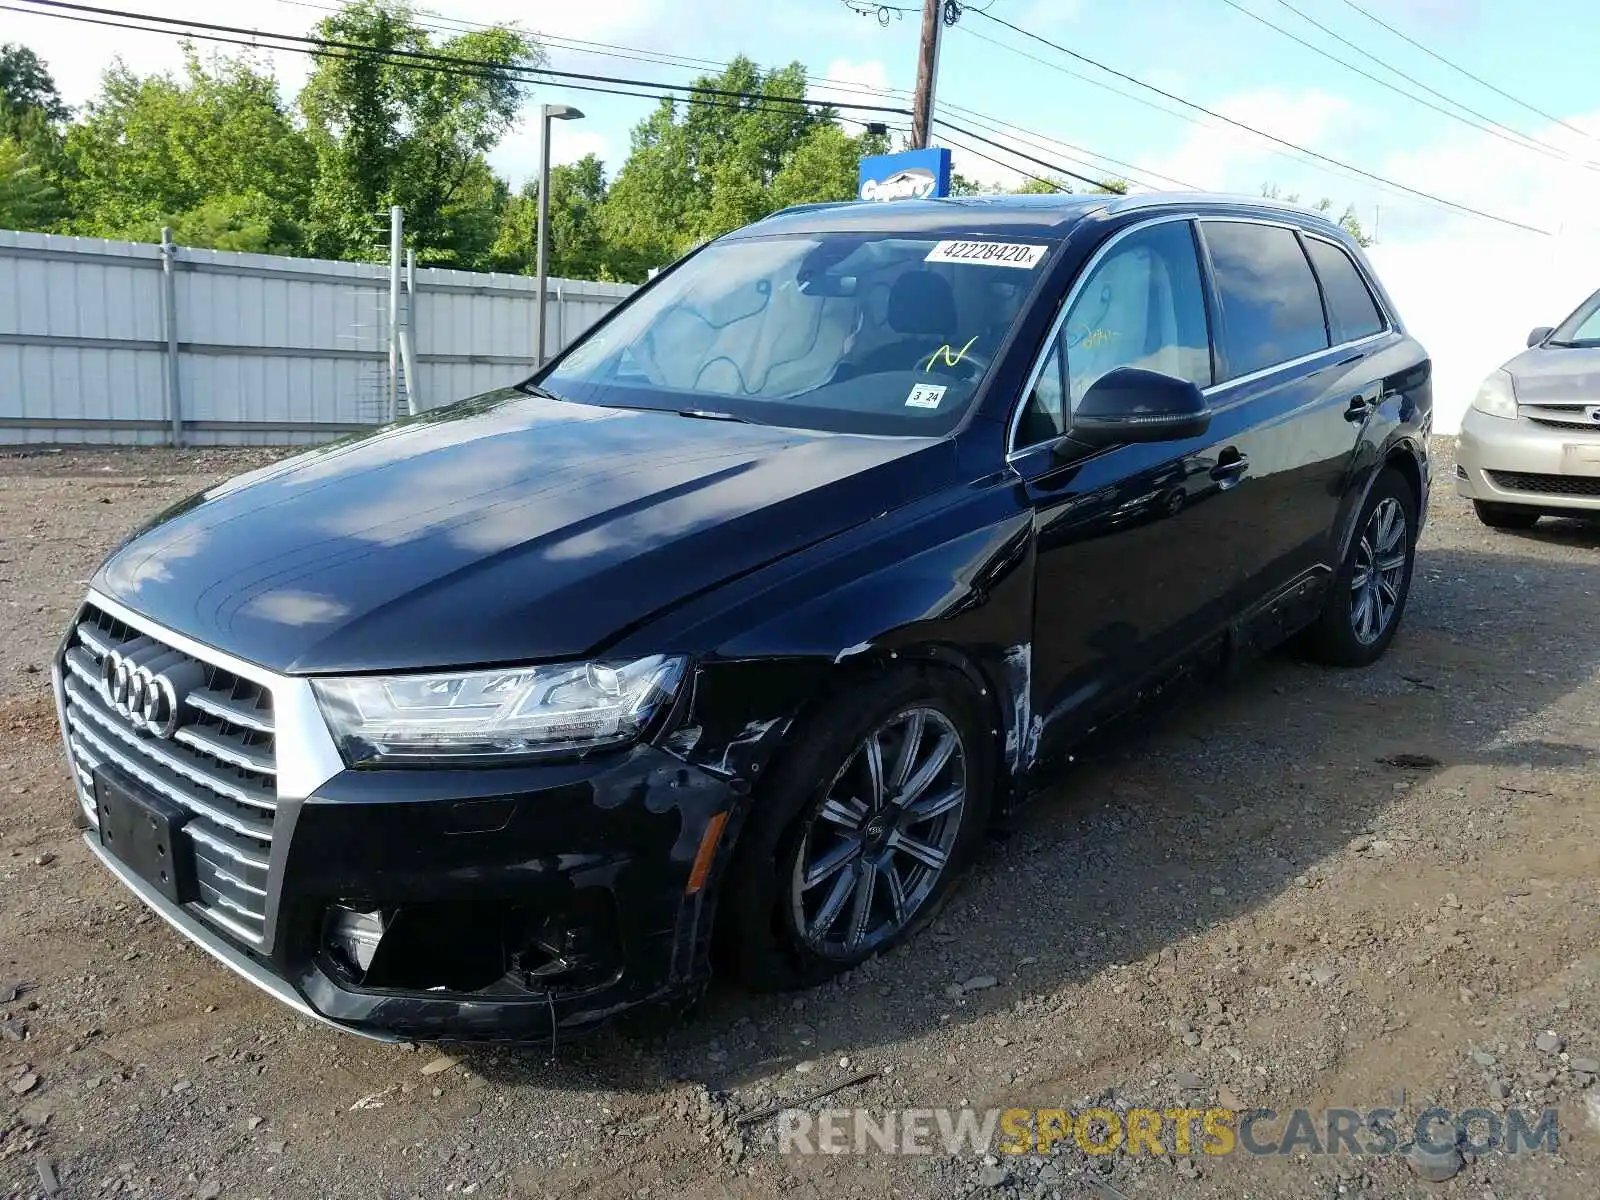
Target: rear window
1271, 308
1352, 311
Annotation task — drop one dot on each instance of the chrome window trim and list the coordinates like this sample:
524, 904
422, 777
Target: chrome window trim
1301, 361
306, 755
1195, 218
1061, 315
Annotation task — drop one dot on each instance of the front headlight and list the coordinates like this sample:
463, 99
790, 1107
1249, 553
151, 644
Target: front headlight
1498, 396
514, 712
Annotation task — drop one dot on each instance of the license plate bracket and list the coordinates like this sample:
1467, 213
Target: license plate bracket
143, 831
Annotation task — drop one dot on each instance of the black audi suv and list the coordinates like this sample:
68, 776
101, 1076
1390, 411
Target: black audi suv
718, 642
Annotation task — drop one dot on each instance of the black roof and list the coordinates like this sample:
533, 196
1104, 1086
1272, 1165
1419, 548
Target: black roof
1011, 215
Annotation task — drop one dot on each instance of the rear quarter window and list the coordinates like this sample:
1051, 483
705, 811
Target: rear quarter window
1352, 312
1271, 308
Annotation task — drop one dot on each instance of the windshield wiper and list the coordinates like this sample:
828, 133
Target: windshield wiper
701, 414
534, 389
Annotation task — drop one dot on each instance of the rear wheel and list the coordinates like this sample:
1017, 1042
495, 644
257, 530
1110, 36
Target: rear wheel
860, 833
1368, 596
1505, 516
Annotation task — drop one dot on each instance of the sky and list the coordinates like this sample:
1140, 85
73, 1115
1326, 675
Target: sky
996, 81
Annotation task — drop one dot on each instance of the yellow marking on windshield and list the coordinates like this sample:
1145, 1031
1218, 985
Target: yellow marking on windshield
951, 356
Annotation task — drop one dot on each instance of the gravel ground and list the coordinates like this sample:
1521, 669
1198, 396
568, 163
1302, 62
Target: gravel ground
1364, 889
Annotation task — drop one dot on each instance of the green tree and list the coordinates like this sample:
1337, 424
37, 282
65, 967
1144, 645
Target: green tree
27, 85
1348, 220
28, 200
387, 130
577, 247
213, 154
824, 166
32, 114
696, 171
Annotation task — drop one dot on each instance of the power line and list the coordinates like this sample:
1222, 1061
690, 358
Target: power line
503, 70
1039, 142
950, 125
472, 68
1483, 122
1376, 178
1055, 183
464, 72
1478, 79
992, 124
1198, 122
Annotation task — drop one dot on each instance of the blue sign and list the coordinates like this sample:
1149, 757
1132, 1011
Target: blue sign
910, 175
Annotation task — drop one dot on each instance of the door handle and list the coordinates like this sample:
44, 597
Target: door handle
1230, 468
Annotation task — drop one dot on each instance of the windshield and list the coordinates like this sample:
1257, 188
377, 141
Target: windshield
1582, 328
858, 332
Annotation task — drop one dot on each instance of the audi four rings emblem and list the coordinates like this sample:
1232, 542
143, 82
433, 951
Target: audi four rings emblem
146, 698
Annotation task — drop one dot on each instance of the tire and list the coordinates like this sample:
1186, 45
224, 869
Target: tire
773, 932
1359, 621
1505, 516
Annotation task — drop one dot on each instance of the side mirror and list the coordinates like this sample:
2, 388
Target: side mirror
1538, 336
1134, 405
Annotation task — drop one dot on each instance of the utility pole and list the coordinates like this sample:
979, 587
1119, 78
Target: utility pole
927, 72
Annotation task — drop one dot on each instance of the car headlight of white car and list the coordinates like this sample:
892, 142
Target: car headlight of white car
1498, 396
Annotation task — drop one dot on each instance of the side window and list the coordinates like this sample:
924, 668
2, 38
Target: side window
1271, 309
1044, 417
1352, 312
1141, 306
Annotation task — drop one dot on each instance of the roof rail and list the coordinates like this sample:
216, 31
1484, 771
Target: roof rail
812, 207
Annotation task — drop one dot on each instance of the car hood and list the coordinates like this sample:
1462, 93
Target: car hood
1550, 373
508, 528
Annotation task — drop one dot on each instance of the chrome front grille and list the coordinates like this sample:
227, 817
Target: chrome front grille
1561, 414
219, 762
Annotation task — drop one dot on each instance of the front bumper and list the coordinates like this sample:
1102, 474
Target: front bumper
529, 903
1525, 463
527, 907
519, 902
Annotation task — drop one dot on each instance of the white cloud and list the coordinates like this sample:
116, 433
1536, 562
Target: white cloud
1220, 157
516, 158
868, 75
1048, 14
1560, 195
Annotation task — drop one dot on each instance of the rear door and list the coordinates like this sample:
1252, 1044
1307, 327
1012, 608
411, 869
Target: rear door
1298, 380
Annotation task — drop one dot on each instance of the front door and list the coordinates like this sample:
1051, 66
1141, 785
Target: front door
1136, 557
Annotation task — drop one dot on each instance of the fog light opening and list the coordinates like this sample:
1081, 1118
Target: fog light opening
354, 935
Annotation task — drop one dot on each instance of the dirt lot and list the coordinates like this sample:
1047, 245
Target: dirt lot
1252, 901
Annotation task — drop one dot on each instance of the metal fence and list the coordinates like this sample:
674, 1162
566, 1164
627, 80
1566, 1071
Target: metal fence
126, 342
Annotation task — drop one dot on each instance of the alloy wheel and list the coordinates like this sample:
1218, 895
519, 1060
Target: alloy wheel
876, 847
1380, 570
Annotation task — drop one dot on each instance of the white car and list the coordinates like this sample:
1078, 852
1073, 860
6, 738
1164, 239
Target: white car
1530, 443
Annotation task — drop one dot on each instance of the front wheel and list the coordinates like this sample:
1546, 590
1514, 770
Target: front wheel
1505, 516
861, 832
1368, 595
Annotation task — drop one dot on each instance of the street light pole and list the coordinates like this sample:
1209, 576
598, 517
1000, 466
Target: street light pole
547, 114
